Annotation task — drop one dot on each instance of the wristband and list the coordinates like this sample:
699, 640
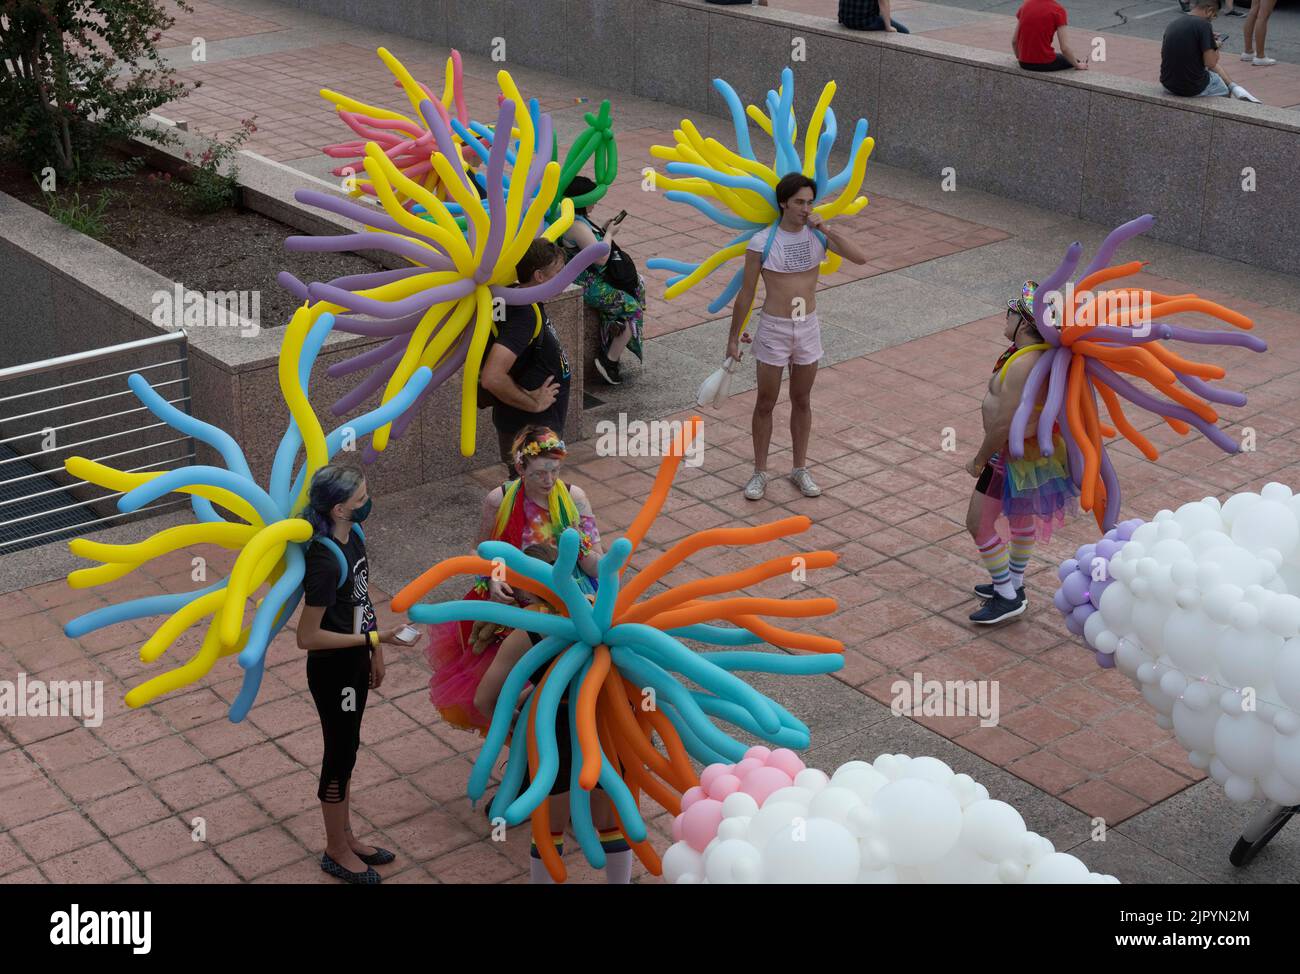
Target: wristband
372, 639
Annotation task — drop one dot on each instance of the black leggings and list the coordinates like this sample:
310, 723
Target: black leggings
339, 680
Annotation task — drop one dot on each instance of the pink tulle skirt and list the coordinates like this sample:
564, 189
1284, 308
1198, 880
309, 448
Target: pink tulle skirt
457, 673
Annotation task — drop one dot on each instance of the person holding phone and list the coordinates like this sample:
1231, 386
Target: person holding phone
614, 289
345, 656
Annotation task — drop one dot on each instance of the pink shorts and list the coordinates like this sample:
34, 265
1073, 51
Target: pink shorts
784, 341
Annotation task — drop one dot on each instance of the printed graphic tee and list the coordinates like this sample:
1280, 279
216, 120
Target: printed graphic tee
347, 603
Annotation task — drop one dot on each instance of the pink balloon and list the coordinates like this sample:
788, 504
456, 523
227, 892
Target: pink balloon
745, 767
784, 759
760, 752
711, 773
700, 823
691, 796
677, 828
723, 785
761, 782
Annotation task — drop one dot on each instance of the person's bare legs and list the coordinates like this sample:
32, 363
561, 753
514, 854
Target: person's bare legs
337, 846
802, 378
358, 847
1248, 28
769, 391
1260, 23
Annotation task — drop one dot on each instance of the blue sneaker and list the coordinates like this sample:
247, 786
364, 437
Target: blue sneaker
999, 609
987, 592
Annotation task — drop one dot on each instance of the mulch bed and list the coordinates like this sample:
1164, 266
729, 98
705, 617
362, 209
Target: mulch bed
230, 250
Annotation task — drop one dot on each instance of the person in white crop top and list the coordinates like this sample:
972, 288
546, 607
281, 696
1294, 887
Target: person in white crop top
787, 256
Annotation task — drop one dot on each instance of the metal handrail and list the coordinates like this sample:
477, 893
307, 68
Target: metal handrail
37, 415
83, 402
83, 422
153, 508
91, 355
98, 378
107, 456
87, 483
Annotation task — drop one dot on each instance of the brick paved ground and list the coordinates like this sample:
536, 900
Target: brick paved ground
117, 802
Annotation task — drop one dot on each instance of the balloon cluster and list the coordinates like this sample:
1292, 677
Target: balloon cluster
1202, 614
1092, 340
612, 655
410, 142
407, 143
736, 191
269, 538
439, 312
1084, 578
770, 819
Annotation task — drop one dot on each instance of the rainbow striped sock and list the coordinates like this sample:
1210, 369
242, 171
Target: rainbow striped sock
993, 553
556, 837
1022, 546
613, 840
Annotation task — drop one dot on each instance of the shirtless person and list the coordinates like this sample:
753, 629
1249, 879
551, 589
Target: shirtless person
1031, 493
787, 333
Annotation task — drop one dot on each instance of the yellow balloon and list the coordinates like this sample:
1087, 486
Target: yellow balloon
270, 541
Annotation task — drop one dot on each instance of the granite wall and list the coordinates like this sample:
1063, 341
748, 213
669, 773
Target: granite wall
1099, 147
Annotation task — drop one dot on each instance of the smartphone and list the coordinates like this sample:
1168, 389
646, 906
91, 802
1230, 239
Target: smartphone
616, 221
407, 635
1221, 38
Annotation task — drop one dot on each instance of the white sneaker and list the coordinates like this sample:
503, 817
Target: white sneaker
803, 480
757, 486
1248, 55
1264, 62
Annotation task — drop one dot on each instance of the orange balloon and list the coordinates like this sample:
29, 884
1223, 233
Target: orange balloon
586, 713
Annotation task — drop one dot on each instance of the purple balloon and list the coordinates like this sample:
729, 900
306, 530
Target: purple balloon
1106, 660
1068, 567
1073, 625
1095, 590
1085, 554
1054, 282
1119, 235
1081, 613
1055, 398
544, 292
1107, 547
1061, 602
1075, 589
1028, 400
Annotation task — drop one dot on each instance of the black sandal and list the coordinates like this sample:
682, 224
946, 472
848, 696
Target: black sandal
367, 878
380, 857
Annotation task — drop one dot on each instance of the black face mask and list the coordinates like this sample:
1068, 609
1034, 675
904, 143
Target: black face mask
362, 512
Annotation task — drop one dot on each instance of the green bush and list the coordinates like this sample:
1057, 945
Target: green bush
75, 74
210, 189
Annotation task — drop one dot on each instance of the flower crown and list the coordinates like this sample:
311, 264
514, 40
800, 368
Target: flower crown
538, 447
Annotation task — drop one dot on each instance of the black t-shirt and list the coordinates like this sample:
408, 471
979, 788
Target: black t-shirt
858, 14
533, 363
347, 601
1182, 55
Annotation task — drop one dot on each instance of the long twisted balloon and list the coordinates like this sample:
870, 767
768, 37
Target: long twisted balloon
608, 655
438, 313
1093, 338
269, 538
735, 190
405, 140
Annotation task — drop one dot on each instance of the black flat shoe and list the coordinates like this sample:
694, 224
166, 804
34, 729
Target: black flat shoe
380, 857
367, 878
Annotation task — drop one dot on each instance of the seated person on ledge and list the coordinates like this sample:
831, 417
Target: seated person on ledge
869, 15
1189, 54
1037, 22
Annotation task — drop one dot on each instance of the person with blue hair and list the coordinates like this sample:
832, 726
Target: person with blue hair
345, 657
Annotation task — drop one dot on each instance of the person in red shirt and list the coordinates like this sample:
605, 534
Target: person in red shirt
1037, 21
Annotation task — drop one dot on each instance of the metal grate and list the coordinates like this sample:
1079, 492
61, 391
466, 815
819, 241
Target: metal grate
36, 507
